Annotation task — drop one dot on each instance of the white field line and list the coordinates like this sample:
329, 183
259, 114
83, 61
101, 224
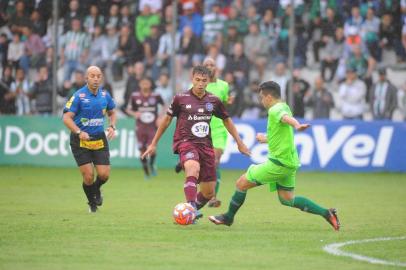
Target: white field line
335, 250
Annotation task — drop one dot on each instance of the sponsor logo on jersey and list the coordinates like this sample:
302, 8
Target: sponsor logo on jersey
200, 110
198, 117
188, 106
209, 106
95, 122
200, 129
82, 95
189, 155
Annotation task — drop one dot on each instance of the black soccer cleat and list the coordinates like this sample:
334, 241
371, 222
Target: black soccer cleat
98, 198
221, 220
332, 218
178, 168
92, 207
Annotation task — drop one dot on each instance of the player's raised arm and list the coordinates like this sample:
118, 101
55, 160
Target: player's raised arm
294, 123
228, 123
166, 121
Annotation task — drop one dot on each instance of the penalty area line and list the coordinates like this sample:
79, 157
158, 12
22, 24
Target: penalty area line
334, 249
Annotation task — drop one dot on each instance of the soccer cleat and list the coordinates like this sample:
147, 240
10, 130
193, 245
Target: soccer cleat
153, 170
221, 220
92, 207
98, 198
178, 168
198, 214
214, 203
332, 218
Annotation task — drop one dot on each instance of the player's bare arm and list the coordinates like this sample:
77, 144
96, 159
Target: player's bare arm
166, 121
228, 123
69, 123
294, 123
112, 127
261, 137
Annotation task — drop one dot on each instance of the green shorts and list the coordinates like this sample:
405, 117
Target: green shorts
219, 139
272, 174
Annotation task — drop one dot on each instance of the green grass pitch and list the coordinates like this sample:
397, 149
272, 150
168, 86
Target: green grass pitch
44, 223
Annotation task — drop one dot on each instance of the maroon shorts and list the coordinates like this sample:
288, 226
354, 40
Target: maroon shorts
144, 137
202, 154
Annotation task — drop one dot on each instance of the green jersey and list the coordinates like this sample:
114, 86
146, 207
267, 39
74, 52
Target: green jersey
281, 145
219, 88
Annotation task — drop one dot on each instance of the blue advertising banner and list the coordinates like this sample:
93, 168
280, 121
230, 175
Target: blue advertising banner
353, 146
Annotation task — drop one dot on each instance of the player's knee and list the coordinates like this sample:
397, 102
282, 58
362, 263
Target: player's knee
103, 176
286, 201
88, 178
208, 194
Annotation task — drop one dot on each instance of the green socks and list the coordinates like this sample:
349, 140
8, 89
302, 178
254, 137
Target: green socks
218, 180
236, 201
305, 205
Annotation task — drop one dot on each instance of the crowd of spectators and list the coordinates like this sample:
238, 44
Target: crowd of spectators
346, 41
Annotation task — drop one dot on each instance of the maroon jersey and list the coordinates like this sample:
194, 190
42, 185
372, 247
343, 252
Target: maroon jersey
148, 107
193, 117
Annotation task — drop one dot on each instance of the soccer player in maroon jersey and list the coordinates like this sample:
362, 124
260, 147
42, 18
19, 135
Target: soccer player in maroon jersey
144, 108
192, 141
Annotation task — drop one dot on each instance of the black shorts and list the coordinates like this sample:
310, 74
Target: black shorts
83, 155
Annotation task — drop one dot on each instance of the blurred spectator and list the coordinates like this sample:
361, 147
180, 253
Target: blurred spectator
239, 65
383, 97
352, 94
129, 51
402, 100
93, 20
321, 9
370, 34
213, 24
239, 22
126, 18
34, 55
97, 51
165, 50
7, 99
72, 14
269, 27
237, 94
74, 49
316, 37
135, 74
388, 35
155, 5
321, 101
143, 23
191, 19
252, 15
164, 89
19, 19
70, 88
281, 77
20, 90
111, 43
214, 53
364, 66
332, 53
38, 25
330, 23
256, 49
41, 92
190, 49
300, 88
253, 108
354, 21
3, 49
230, 39
151, 45
113, 18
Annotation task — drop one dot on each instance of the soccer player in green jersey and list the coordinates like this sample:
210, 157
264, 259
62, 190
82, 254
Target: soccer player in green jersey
279, 171
219, 133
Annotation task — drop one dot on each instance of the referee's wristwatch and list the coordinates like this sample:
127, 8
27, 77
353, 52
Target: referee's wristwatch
78, 132
113, 127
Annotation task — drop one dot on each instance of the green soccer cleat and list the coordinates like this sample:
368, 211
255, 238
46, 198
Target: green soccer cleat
221, 220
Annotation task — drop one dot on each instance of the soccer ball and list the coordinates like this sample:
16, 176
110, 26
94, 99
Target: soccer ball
184, 213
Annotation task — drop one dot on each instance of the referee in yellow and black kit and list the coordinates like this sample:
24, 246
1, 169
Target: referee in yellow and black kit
84, 115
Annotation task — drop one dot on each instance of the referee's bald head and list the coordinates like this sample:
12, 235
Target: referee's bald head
93, 69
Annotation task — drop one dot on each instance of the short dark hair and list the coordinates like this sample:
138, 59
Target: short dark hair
201, 70
270, 87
